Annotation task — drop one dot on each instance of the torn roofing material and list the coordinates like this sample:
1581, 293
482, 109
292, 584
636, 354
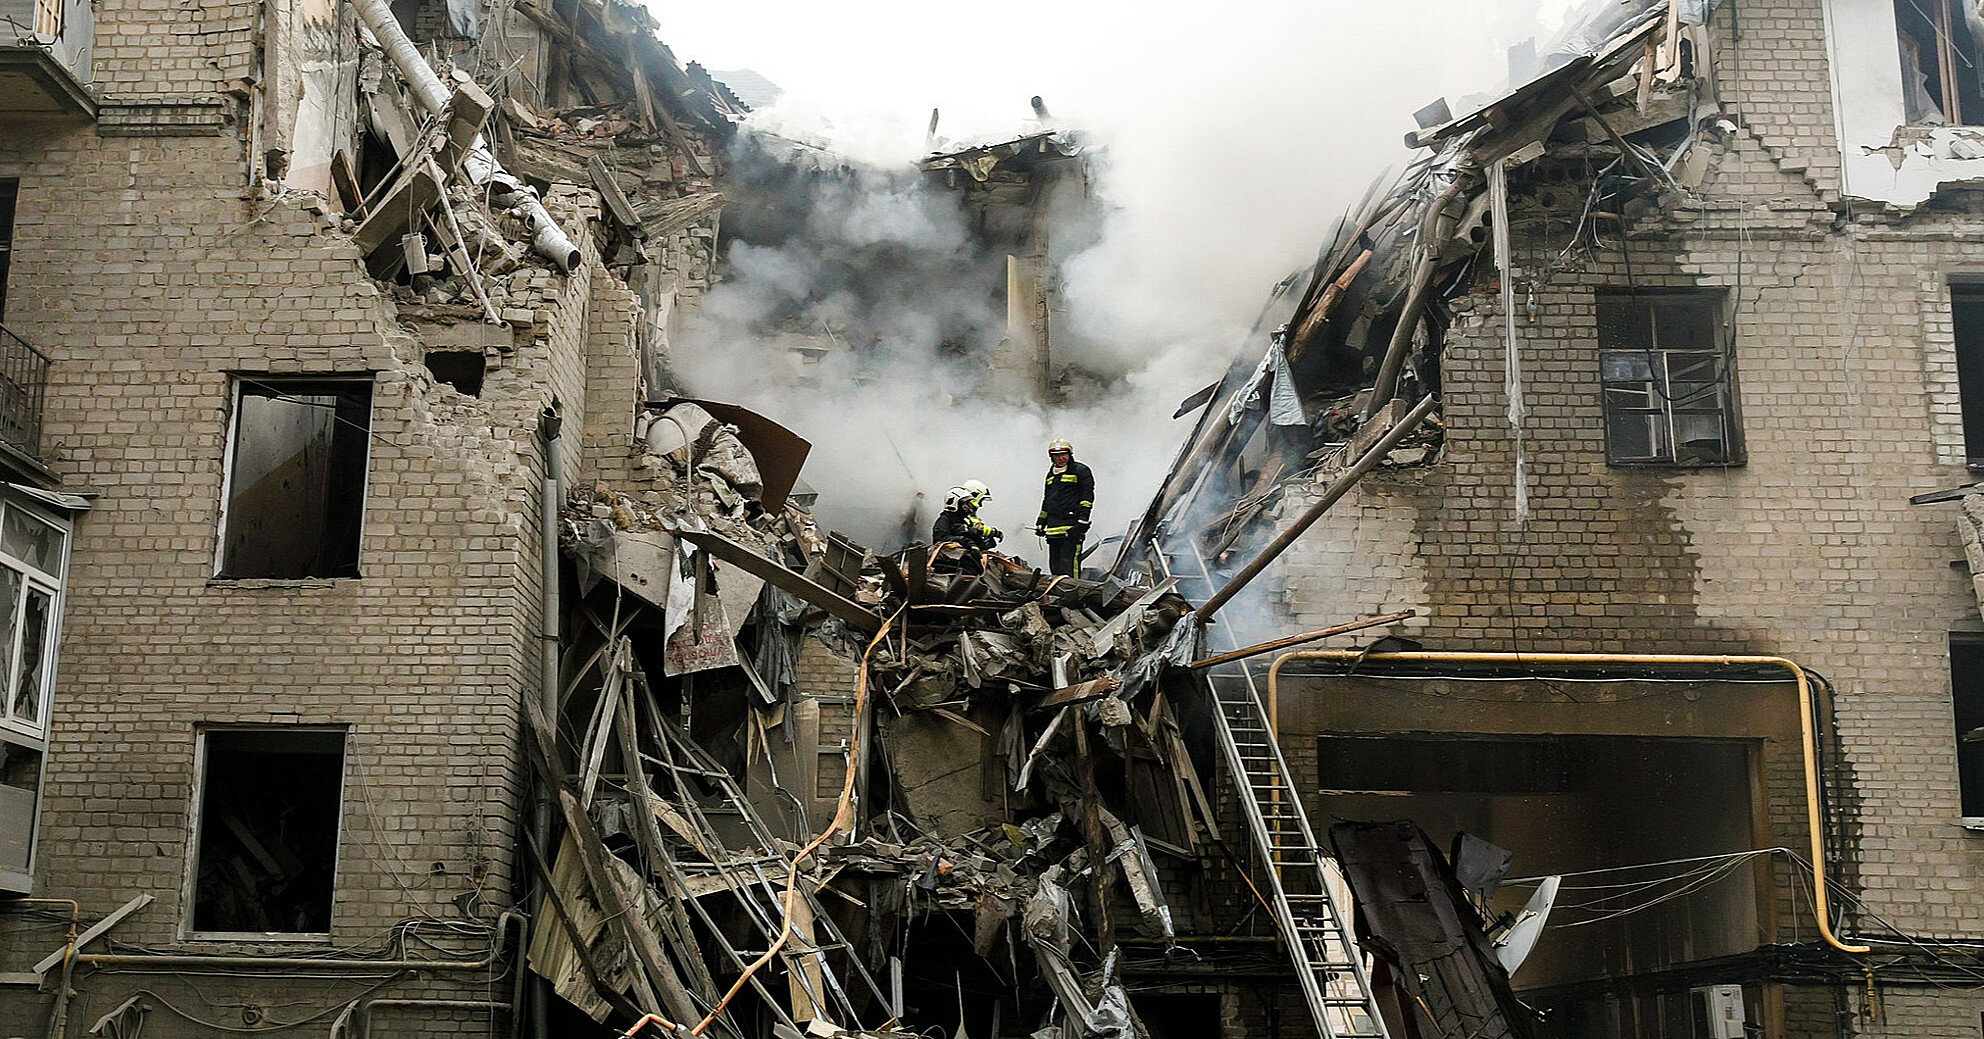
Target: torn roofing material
1369, 324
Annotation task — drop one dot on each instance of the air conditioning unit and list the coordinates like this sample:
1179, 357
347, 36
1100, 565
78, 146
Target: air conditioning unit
1719, 1012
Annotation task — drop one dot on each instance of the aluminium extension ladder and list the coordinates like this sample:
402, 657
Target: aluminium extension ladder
1302, 881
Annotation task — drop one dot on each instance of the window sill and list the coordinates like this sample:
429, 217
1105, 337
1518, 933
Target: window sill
279, 582
1675, 466
208, 939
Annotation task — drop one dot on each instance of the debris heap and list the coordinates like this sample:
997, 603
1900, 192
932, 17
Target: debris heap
785, 765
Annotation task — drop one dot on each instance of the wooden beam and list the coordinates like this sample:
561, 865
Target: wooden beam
616, 200
796, 583
1080, 693
93, 932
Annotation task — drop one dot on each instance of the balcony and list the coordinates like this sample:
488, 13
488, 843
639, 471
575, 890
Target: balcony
45, 52
23, 387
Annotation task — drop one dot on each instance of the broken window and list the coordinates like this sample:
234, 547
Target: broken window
1967, 705
1967, 324
1940, 81
267, 827
33, 550
1669, 391
461, 369
295, 494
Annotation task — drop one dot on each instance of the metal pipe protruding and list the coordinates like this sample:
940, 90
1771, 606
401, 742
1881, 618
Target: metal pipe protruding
1337, 489
546, 237
1808, 744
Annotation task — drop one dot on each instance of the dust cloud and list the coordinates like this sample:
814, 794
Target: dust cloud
1223, 150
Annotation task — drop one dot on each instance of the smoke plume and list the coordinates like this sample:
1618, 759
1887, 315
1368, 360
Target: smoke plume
1226, 152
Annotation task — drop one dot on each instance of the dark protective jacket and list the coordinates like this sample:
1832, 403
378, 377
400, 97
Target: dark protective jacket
1065, 504
965, 528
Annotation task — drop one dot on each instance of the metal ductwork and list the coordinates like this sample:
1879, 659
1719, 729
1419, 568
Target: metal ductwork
546, 237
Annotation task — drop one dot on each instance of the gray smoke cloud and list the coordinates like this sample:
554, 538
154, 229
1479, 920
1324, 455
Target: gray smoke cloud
1215, 180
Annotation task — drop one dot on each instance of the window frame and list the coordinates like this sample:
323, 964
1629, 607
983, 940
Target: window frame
1659, 381
54, 585
196, 818
1950, 48
1972, 637
238, 383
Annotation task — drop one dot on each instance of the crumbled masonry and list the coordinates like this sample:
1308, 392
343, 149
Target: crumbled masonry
408, 634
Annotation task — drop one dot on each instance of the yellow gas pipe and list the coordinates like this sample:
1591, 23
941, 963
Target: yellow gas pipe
1808, 746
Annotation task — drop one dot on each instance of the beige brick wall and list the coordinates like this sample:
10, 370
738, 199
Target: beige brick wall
148, 270
1846, 374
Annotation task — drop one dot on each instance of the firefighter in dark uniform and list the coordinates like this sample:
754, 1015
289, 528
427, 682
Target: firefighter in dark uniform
960, 523
1064, 509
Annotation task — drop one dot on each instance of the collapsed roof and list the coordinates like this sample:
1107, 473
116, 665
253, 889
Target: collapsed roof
1616, 110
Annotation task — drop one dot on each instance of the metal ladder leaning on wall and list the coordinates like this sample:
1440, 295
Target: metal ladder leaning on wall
1328, 965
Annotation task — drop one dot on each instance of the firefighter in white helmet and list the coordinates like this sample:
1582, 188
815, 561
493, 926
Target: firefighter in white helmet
1064, 509
960, 523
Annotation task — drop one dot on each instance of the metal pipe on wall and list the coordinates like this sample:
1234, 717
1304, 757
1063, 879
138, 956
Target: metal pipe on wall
1807, 723
550, 424
164, 961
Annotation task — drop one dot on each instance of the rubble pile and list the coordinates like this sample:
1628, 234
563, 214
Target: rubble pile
1004, 749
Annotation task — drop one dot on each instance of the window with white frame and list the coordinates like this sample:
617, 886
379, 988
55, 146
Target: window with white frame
33, 552
1669, 391
34, 549
295, 498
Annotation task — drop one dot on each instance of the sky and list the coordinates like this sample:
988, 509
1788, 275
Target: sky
1235, 134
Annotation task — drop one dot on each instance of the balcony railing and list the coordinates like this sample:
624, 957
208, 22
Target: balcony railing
23, 388
46, 47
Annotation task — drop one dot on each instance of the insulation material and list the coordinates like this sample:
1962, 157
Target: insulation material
1498, 201
325, 102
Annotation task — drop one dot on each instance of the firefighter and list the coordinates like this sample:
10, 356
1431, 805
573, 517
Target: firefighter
1064, 509
960, 522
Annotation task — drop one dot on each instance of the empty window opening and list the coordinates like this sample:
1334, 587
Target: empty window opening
268, 830
296, 478
1178, 1015
461, 369
10, 192
1967, 323
1967, 705
1940, 80
1669, 391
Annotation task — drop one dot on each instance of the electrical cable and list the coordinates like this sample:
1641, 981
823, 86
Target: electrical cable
843, 812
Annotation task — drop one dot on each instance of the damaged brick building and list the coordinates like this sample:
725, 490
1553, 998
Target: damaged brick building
1686, 529
393, 652
399, 656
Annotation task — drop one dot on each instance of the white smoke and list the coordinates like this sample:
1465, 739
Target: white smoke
1231, 144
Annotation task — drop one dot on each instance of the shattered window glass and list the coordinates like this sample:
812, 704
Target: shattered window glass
1666, 383
296, 479
32, 552
31, 541
29, 675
